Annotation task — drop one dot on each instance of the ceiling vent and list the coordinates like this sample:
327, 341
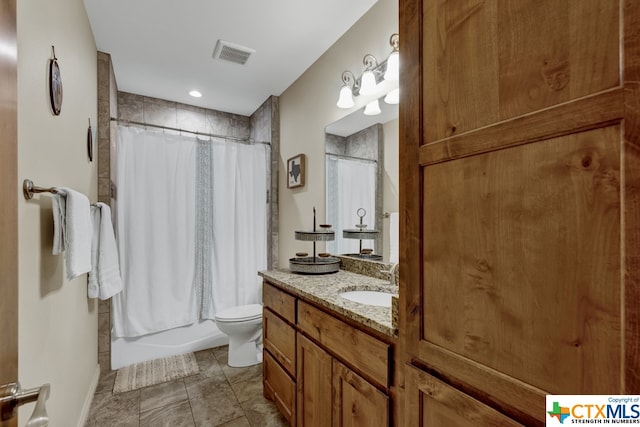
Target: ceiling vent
231, 52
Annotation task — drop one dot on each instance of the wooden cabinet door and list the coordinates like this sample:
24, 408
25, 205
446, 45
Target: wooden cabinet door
279, 387
521, 193
357, 403
314, 384
433, 403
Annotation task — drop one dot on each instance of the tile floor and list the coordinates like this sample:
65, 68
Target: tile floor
217, 396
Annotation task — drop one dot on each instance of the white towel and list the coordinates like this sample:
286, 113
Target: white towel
104, 277
59, 206
77, 233
394, 240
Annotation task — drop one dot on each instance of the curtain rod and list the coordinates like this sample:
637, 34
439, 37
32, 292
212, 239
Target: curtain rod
344, 156
210, 135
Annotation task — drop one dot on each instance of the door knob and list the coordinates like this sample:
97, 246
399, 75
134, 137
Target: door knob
12, 396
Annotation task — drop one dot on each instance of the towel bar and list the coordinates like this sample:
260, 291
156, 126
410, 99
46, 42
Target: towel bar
28, 189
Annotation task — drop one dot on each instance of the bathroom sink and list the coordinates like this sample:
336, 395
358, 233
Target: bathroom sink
377, 298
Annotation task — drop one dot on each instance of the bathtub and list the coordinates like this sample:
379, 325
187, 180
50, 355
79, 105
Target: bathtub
198, 336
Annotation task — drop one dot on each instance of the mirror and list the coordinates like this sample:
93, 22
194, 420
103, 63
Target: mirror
361, 162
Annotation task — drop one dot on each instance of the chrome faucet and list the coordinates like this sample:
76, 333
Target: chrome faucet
392, 273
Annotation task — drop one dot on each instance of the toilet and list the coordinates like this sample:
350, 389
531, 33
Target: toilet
243, 326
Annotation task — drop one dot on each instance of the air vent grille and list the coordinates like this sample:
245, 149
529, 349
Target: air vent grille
231, 52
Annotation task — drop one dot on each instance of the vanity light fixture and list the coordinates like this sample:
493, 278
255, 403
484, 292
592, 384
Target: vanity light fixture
374, 73
372, 108
393, 97
368, 81
393, 60
195, 93
346, 92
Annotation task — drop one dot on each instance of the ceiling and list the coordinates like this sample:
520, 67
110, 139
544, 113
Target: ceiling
163, 48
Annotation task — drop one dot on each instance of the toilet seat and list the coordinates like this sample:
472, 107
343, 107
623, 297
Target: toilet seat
241, 313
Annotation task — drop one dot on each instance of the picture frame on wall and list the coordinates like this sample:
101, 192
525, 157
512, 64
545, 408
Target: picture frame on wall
296, 171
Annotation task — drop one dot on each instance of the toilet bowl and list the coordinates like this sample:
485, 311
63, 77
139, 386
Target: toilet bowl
243, 325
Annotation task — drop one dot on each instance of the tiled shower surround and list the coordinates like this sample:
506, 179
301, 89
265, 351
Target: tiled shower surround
262, 125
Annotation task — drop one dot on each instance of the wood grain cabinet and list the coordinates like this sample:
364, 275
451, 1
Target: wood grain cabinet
314, 376
279, 356
356, 402
520, 172
339, 375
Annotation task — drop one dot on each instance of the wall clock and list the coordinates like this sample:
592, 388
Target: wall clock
55, 84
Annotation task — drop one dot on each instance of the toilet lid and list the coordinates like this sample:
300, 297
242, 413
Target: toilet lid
241, 312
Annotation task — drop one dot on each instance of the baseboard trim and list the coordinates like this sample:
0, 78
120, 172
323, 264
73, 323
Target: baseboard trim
89, 399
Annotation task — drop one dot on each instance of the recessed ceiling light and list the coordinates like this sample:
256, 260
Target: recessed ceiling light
195, 94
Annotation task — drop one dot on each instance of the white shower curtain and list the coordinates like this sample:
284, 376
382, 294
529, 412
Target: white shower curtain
155, 232
160, 193
350, 186
238, 224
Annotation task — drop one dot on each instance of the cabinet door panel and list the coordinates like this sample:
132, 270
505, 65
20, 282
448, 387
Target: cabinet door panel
314, 384
432, 403
487, 61
279, 388
357, 403
534, 259
280, 341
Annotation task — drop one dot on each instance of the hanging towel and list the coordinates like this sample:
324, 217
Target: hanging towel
104, 277
59, 206
75, 224
394, 232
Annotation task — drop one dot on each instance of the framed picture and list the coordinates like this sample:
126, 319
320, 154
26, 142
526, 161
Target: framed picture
295, 171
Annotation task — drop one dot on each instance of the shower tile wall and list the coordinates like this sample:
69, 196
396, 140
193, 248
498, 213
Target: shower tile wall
107, 108
265, 128
262, 126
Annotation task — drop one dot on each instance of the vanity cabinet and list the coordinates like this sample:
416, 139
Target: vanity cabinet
279, 355
341, 375
519, 133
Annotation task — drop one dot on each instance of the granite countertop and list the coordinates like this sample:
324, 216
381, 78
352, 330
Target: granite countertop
324, 290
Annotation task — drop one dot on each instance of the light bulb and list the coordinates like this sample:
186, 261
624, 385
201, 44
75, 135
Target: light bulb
345, 100
372, 108
393, 66
195, 93
368, 83
393, 97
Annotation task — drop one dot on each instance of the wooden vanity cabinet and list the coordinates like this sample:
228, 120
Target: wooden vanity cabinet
340, 374
279, 355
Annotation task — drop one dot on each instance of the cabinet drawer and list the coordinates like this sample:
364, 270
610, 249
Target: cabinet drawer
279, 388
363, 352
279, 302
280, 341
433, 403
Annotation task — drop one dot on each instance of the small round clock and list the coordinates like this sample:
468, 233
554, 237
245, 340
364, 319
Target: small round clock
55, 84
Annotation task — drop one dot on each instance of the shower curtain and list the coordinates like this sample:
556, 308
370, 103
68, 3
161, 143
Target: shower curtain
351, 184
191, 228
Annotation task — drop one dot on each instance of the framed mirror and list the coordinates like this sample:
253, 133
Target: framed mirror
361, 162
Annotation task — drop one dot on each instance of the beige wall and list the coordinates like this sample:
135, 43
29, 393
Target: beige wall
309, 105
57, 323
